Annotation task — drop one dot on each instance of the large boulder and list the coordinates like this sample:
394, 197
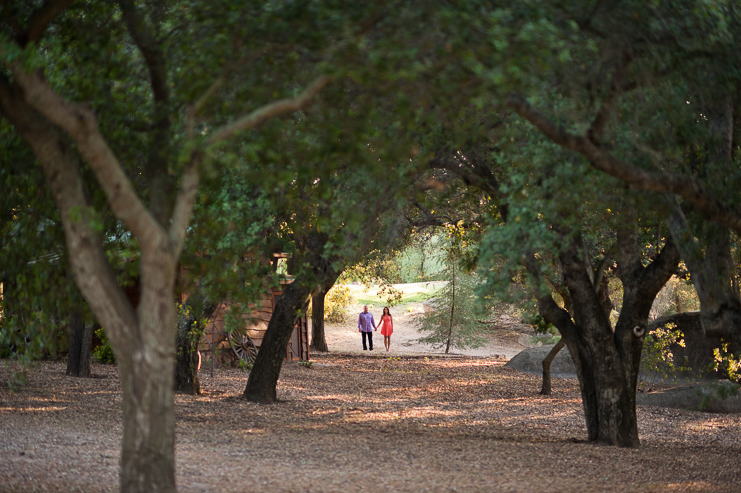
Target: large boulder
692, 396
531, 361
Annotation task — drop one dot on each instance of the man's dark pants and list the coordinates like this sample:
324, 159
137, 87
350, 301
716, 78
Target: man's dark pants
370, 340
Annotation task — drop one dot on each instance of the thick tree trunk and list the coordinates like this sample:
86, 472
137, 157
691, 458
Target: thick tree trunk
452, 311
79, 338
710, 262
147, 459
318, 340
601, 286
143, 341
263, 378
607, 361
705, 245
546, 388
146, 361
186, 360
608, 385
292, 303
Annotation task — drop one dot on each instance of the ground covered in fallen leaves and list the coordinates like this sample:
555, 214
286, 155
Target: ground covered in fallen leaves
362, 423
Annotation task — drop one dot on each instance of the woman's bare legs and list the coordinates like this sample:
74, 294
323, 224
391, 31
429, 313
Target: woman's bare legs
387, 342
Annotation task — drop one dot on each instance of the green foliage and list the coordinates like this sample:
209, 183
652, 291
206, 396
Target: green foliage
545, 339
245, 365
391, 294
538, 323
376, 267
726, 363
420, 261
104, 352
305, 363
226, 247
455, 320
17, 380
657, 359
189, 329
716, 391
37, 290
336, 303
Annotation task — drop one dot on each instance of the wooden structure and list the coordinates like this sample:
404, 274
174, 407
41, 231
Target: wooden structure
247, 339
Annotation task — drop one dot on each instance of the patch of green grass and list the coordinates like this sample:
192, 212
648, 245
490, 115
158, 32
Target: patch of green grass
417, 297
374, 301
413, 293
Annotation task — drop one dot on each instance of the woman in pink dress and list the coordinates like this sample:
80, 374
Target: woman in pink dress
387, 327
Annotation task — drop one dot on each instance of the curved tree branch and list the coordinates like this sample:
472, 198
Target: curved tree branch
148, 46
61, 166
159, 151
271, 110
41, 18
184, 205
594, 134
634, 176
80, 123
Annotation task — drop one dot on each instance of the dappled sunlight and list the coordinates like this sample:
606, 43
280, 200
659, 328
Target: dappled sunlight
329, 397
33, 409
426, 414
702, 424
251, 432
413, 412
693, 486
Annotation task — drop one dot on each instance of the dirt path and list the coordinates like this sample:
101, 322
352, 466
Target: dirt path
362, 424
506, 340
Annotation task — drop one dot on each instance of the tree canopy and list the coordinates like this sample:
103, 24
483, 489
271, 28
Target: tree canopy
562, 138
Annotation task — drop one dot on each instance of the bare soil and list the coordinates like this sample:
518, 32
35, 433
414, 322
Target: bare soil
362, 423
507, 338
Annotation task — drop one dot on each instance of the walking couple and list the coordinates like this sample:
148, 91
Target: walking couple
366, 326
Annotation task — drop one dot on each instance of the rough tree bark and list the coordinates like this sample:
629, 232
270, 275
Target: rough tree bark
142, 339
318, 339
722, 315
705, 246
187, 357
263, 378
186, 360
80, 337
601, 286
710, 262
139, 340
546, 387
607, 362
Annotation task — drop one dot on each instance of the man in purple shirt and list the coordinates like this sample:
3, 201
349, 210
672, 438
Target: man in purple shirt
366, 326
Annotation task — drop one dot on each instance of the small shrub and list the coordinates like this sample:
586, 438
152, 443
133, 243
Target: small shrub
6, 352
726, 363
336, 302
545, 333
104, 352
305, 363
657, 360
716, 391
540, 325
17, 380
188, 333
545, 339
